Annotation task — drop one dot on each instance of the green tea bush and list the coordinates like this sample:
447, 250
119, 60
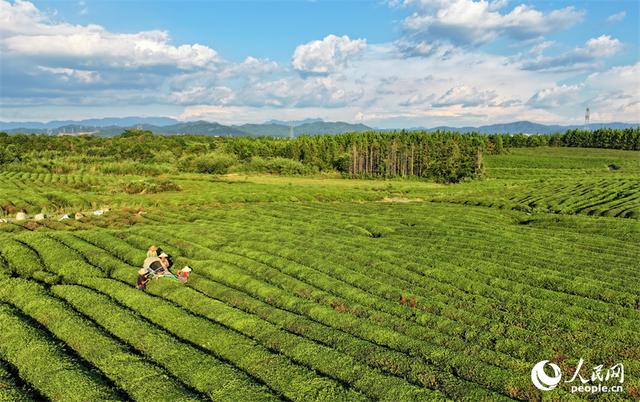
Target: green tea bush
133, 168
19, 257
295, 382
131, 372
150, 186
41, 362
218, 380
10, 389
325, 360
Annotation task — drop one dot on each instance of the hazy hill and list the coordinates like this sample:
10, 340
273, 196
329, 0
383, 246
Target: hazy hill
525, 127
105, 122
277, 130
114, 126
293, 122
199, 127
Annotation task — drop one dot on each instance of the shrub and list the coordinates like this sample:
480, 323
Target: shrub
212, 163
283, 166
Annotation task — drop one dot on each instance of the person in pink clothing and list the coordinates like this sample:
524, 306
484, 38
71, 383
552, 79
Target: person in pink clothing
183, 274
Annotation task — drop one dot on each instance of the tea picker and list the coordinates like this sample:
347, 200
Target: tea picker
157, 265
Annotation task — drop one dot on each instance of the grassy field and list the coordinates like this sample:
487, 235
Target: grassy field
322, 288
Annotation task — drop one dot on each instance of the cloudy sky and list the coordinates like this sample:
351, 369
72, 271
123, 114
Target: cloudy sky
396, 63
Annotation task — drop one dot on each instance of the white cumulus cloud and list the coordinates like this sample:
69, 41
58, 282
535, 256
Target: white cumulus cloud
602, 46
579, 58
326, 55
67, 74
220, 95
52, 68
468, 22
466, 96
615, 93
27, 32
251, 67
555, 96
619, 78
617, 17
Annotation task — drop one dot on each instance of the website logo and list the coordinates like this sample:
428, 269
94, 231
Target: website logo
541, 380
601, 379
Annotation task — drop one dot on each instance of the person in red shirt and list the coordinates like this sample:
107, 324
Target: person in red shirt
183, 274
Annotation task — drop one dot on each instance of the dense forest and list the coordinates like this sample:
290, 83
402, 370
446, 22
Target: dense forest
445, 157
627, 138
439, 156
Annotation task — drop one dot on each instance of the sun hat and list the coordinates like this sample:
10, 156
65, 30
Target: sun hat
186, 269
163, 254
142, 271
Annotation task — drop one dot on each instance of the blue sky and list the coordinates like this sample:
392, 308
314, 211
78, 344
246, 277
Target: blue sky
399, 63
237, 29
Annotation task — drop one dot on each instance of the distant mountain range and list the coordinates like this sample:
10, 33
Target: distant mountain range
112, 127
106, 122
526, 127
294, 122
278, 128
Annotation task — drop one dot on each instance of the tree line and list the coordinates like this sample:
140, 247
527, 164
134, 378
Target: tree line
440, 156
627, 139
446, 157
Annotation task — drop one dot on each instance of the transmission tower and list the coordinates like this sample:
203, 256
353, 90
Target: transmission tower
586, 119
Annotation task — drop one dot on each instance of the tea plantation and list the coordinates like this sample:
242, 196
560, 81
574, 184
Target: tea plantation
320, 288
